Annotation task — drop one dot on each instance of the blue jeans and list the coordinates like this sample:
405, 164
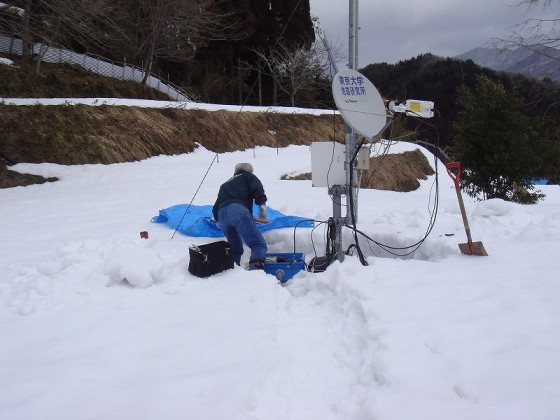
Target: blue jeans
237, 224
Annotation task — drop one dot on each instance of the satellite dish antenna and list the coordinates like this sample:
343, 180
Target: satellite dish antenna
359, 103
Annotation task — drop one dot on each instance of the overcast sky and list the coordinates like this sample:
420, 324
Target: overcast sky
398, 30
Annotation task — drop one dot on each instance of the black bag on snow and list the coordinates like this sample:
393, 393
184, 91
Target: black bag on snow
209, 259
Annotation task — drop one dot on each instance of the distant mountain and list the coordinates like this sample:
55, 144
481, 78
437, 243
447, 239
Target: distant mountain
538, 65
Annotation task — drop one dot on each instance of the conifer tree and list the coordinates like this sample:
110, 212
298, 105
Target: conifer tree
498, 149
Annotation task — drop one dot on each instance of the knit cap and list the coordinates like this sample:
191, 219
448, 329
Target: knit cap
243, 167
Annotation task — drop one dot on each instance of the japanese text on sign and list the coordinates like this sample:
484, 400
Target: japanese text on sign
352, 86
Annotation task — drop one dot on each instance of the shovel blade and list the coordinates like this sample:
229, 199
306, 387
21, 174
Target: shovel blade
473, 248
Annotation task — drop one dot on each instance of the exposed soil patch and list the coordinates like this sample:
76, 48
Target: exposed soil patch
9, 179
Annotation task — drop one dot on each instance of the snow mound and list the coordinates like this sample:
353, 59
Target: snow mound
6, 61
138, 266
494, 207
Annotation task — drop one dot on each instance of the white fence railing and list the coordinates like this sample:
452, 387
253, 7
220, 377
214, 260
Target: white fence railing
119, 71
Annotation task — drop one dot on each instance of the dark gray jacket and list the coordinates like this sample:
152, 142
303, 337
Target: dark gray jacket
242, 188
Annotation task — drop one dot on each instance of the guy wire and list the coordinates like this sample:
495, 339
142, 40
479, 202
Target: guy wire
237, 116
196, 192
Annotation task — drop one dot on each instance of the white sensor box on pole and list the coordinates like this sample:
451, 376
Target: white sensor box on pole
362, 159
327, 164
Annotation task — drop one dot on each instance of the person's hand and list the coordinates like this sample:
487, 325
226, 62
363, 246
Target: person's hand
262, 213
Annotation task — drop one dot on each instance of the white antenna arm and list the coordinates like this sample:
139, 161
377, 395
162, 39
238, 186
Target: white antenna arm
323, 37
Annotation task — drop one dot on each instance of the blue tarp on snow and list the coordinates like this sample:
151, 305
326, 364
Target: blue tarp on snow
539, 181
195, 220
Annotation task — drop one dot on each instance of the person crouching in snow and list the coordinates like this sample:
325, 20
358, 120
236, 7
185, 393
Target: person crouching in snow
233, 211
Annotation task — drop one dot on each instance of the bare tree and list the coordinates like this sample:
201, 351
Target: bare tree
294, 70
175, 29
48, 22
534, 34
145, 29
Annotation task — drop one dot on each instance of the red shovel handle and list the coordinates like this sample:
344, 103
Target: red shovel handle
454, 175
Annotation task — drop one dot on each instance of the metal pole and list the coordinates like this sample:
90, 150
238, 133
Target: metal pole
337, 191
350, 139
353, 35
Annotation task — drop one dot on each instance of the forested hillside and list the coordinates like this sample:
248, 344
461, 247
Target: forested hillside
437, 79
228, 51
538, 62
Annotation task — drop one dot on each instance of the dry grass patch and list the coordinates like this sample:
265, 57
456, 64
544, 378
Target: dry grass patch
397, 172
110, 134
299, 177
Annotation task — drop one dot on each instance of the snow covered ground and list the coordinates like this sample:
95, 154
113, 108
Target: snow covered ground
160, 104
437, 336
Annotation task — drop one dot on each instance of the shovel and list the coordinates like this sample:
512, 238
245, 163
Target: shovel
470, 248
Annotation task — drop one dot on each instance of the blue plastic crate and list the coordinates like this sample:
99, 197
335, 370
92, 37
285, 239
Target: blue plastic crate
284, 265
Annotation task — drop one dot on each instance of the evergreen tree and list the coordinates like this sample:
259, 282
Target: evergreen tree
230, 68
292, 23
498, 149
